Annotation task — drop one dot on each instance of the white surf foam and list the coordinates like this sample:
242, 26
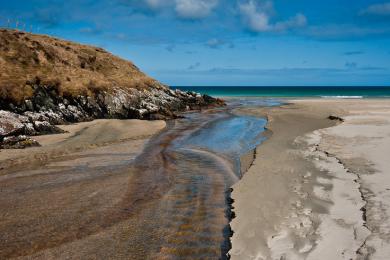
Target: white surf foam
344, 97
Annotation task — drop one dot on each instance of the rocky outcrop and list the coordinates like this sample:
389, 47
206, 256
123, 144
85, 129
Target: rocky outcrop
48, 105
46, 109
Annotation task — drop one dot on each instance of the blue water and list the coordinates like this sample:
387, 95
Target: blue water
233, 135
325, 92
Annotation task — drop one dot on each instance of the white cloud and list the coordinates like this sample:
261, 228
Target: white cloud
256, 19
185, 9
377, 9
257, 16
194, 9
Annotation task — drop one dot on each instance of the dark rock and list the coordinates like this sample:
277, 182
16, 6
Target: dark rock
29, 105
44, 127
335, 118
18, 142
55, 118
29, 129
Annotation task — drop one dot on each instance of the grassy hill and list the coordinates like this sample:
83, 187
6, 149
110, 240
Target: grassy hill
74, 69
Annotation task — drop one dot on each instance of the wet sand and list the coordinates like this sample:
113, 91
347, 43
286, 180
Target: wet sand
62, 200
82, 137
318, 189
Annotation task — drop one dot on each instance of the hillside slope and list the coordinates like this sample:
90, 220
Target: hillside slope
46, 81
73, 68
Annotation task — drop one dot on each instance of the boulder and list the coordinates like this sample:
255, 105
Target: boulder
11, 123
18, 142
29, 129
44, 127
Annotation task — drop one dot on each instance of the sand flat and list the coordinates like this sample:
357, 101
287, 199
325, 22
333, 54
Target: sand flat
317, 189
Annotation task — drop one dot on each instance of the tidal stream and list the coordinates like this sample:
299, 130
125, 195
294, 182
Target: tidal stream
195, 162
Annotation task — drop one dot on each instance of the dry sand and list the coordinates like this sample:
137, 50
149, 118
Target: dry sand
317, 190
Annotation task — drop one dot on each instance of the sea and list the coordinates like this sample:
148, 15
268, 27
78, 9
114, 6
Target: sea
288, 92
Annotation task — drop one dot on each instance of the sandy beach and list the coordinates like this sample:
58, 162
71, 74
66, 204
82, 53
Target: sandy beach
318, 189
65, 199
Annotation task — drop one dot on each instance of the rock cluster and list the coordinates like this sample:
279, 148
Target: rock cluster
18, 142
15, 129
47, 108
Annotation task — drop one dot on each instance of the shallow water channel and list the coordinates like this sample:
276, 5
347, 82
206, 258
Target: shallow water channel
196, 161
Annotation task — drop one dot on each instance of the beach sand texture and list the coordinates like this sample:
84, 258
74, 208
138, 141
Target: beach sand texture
318, 189
61, 200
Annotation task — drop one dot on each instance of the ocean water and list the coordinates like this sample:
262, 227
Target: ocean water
280, 92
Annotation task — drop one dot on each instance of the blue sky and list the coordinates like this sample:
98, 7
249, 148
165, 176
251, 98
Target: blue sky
226, 42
